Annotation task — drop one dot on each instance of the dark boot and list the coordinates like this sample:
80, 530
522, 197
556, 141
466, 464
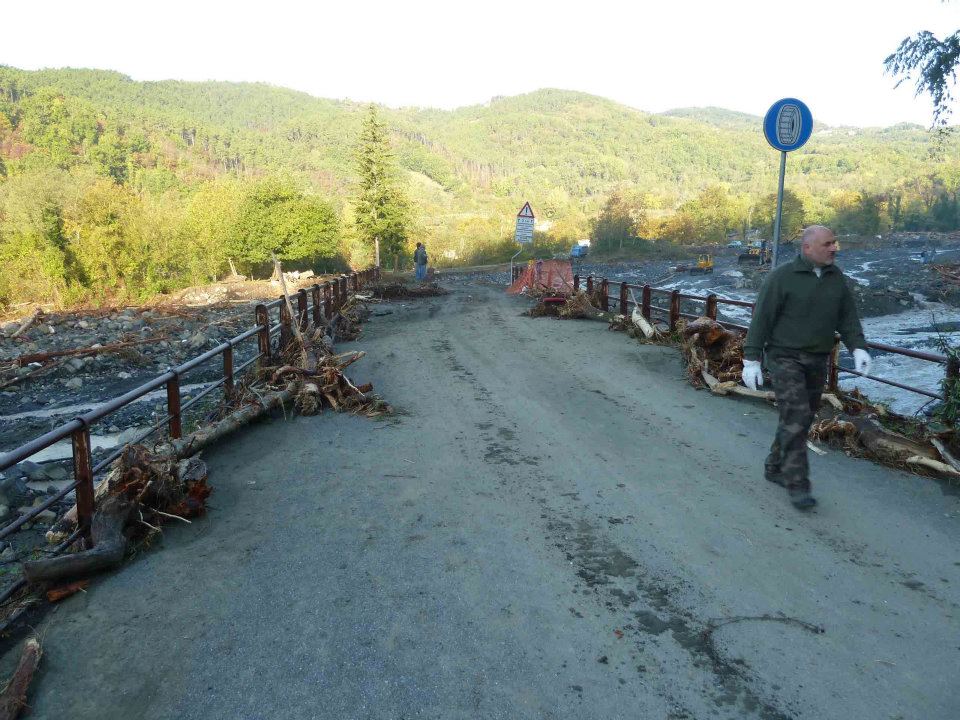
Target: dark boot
772, 474
801, 498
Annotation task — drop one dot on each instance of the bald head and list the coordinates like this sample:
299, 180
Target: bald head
818, 245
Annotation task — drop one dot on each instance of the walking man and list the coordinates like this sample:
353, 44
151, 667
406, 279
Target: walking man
420, 258
800, 307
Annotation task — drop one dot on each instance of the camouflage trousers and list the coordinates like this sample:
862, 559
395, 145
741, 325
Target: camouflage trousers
797, 383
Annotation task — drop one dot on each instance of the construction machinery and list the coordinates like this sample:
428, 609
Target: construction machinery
754, 256
704, 265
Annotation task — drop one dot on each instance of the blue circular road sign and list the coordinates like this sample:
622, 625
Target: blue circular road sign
788, 124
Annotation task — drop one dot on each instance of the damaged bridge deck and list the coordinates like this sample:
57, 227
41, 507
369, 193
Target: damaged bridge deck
556, 526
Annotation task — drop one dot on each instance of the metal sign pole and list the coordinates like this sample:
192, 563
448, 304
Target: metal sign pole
510, 281
787, 125
776, 223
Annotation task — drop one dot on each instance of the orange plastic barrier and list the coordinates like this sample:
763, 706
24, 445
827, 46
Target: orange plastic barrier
545, 274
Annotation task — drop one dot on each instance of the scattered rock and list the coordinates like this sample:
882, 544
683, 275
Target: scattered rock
4, 512
55, 472
8, 554
197, 340
47, 516
74, 383
23, 469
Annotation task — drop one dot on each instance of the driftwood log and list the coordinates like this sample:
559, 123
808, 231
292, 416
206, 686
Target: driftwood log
110, 546
886, 444
23, 360
945, 453
648, 330
14, 696
27, 323
732, 388
934, 465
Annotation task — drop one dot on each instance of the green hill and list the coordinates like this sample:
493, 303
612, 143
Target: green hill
182, 154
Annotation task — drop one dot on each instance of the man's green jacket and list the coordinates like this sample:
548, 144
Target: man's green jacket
797, 310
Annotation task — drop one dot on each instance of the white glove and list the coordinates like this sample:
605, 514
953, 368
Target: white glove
861, 361
752, 373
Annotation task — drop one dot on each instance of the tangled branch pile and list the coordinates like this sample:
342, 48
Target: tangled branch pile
710, 348
325, 384
544, 309
397, 290
948, 271
345, 324
142, 490
579, 306
576, 306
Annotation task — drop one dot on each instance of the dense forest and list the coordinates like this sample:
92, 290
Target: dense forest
113, 189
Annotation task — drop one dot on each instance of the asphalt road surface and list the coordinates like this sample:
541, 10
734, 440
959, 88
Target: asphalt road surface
555, 526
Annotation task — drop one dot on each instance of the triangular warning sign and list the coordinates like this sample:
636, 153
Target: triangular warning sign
526, 211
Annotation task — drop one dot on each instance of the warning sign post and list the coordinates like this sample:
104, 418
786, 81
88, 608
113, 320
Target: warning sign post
524, 231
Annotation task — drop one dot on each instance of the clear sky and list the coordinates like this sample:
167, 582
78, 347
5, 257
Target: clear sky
737, 54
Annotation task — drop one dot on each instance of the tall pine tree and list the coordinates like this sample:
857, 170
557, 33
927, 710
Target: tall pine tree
382, 210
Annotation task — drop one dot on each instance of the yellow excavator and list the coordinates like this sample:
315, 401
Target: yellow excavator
704, 265
754, 256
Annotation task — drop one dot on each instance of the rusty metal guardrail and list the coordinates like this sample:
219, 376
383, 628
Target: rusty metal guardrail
712, 302
322, 301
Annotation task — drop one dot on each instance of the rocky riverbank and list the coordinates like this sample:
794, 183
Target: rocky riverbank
57, 365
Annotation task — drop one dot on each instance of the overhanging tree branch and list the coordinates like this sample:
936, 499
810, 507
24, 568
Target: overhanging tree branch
932, 63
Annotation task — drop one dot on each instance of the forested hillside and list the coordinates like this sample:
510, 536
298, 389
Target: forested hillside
111, 188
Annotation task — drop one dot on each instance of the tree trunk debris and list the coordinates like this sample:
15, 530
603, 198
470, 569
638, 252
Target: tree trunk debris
13, 699
24, 360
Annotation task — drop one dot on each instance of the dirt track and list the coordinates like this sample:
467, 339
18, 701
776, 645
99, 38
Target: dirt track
546, 532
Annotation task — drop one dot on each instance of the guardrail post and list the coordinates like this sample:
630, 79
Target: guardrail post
953, 373
83, 473
576, 283
327, 301
833, 367
645, 303
315, 297
286, 334
604, 295
712, 306
674, 309
343, 290
173, 406
335, 298
263, 337
624, 309
590, 285
302, 309
353, 282
228, 371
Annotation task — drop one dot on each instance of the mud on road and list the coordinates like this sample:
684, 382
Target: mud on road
555, 526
